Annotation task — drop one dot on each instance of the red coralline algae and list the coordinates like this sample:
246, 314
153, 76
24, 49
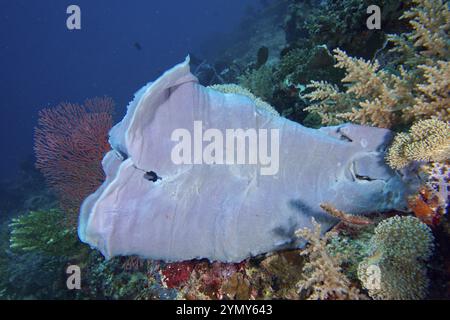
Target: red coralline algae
205, 279
70, 142
177, 274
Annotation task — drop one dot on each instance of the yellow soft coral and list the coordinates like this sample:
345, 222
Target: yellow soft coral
427, 140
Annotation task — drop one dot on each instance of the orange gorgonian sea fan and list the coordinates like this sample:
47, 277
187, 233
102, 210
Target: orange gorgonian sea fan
70, 143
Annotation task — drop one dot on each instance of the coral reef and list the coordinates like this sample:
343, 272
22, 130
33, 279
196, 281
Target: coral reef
351, 248
199, 279
272, 277
108, 279
278, 275
299, 66
323, 272
40, 246
415, 87
43, 232
177, 274
396, 265
438, 183
260, 82
70, 142
427, 141
280, 57
434, 97
374, 91
432, 201
342, 23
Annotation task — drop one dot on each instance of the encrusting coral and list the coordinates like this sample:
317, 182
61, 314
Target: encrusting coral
396, 266
324, 276
417, 86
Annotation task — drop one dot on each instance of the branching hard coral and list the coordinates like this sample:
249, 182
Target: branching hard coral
430, 20
396, 266
70, 142
434, 99
427, 140
236, 89
373, 96
330, 102
323, 272
425, 52
418, 86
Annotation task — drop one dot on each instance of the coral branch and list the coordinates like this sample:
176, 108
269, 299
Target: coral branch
345, 217
324, 276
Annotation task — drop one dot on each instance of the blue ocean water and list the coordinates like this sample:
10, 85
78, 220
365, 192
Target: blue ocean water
121, 46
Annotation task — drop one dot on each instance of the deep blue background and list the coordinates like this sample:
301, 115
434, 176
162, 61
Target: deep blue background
42, 63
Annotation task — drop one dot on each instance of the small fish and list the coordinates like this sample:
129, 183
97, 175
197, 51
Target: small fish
151, 176
138, 46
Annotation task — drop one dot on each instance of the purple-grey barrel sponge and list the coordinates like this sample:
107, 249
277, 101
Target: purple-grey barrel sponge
219, 209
